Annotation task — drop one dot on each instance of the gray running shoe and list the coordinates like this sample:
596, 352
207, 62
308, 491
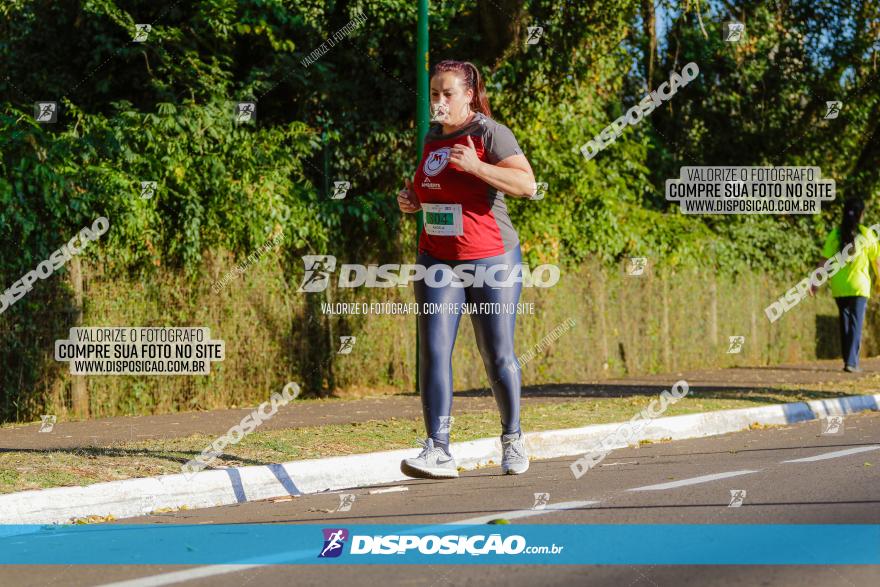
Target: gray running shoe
514, 460
432, 463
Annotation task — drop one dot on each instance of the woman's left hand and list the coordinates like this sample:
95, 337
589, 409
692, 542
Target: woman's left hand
464, 157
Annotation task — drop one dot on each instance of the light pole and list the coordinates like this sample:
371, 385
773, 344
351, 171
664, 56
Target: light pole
422, 117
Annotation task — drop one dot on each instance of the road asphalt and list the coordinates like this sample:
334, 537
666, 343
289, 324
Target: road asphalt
790, 474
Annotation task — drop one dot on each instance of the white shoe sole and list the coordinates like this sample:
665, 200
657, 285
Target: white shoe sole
515, 470
427, 472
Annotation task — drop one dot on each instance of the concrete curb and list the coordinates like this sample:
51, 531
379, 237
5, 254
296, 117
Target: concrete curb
135, 497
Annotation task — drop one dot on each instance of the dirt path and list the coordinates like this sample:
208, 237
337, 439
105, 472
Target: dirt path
710, 383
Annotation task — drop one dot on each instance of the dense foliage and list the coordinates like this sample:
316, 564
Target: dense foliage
162, 110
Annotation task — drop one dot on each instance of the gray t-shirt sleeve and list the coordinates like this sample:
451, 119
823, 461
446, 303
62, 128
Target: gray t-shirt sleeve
501, 144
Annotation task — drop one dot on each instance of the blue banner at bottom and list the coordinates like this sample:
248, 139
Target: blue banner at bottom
546, 544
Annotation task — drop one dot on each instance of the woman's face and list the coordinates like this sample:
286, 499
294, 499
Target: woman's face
450, 99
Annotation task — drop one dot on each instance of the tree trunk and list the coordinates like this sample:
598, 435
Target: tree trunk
79, 394
500, 24
666, 339
599, 281
713, 312
649, 47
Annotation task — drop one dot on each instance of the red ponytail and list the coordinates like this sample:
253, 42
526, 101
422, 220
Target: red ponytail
472, 79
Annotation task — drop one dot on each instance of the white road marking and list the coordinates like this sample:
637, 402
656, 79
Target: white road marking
515, 514
390, 489
214, 570
180, 576
692, 481
835, 454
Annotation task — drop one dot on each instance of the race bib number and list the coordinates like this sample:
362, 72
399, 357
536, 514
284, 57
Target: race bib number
443, 219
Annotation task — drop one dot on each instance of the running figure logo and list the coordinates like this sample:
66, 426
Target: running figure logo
439, 112
636, 266
736, 344
832, 425
318, 269
346, 500
148, 189
445, 424
334, 541
535, 33
541, 501
733, 31
48, 422
339, 189
245, 112
141, 31
46, 111
737, 497
346, 344
832, 109
540, 190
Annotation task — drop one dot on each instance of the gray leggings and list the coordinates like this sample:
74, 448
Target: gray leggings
494, 334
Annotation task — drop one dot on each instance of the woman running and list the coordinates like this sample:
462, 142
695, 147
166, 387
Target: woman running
851, 285
468, 163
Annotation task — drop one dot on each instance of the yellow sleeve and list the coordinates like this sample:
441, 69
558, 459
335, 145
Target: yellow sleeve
829, 249
875, 247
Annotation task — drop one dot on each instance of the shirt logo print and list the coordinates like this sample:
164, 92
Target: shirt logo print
436, 161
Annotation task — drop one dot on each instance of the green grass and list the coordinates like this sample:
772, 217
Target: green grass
23, 470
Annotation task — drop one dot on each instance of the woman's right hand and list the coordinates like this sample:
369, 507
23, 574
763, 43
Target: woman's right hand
407, 200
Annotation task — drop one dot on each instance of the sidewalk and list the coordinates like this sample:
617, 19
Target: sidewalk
709, 383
